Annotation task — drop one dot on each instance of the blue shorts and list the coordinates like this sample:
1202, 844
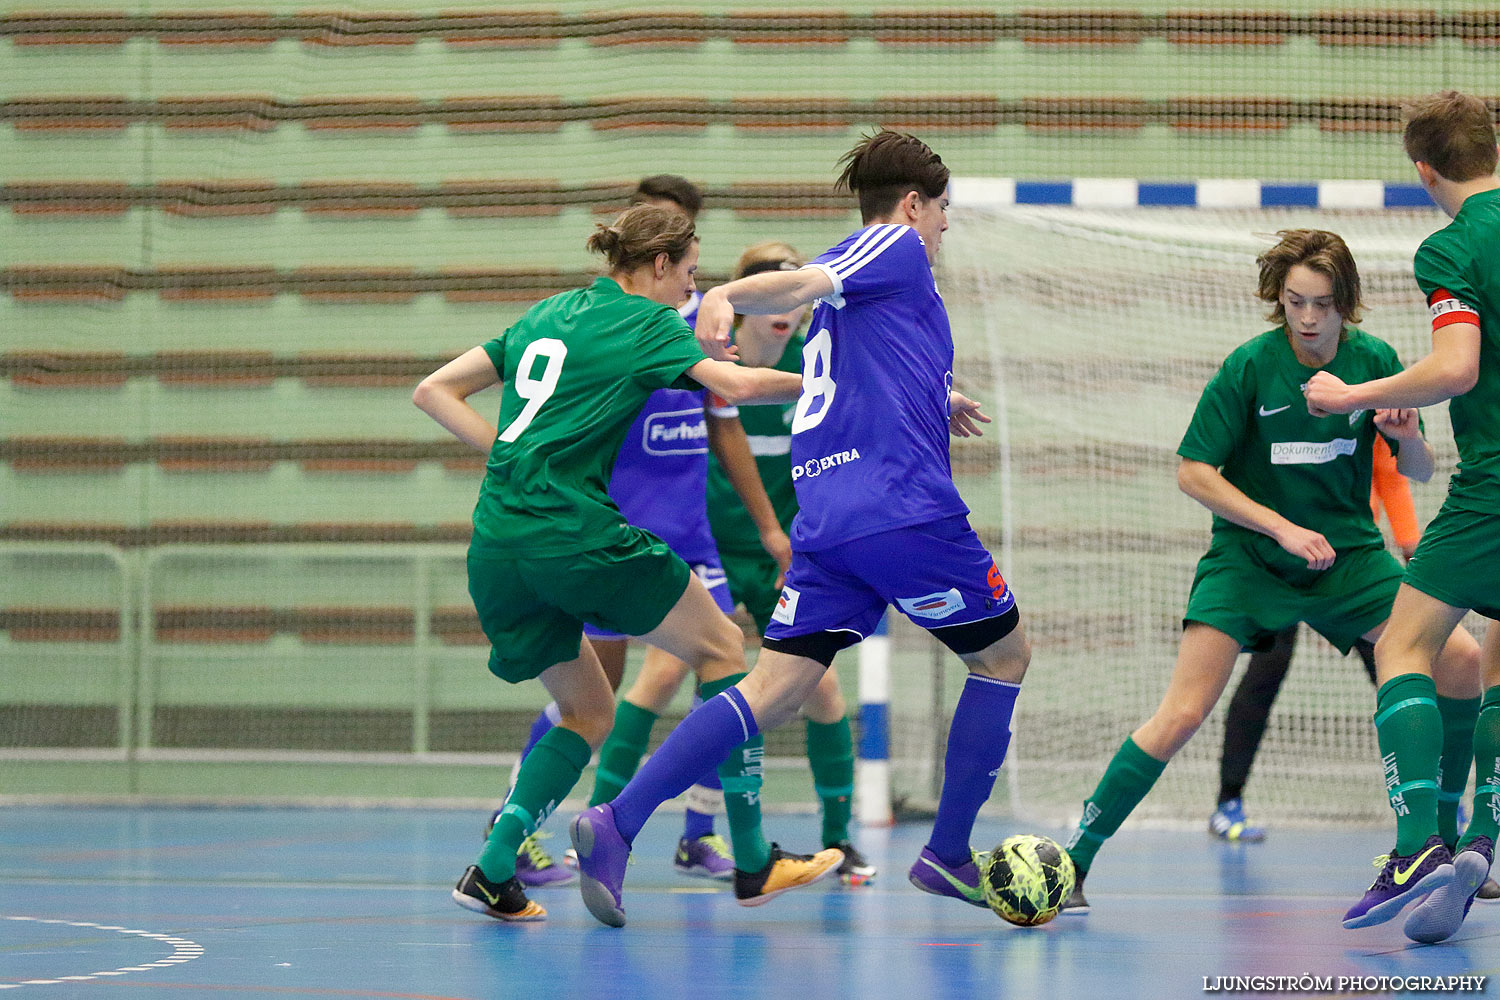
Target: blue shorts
938, 574
710, 572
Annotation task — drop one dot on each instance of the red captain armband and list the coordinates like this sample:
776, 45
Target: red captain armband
1447, 309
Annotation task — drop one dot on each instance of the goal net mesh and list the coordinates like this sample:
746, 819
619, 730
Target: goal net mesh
1089, 335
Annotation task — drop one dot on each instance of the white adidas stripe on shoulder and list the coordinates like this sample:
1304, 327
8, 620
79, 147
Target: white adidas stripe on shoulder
869, 246
874, 251
858, 246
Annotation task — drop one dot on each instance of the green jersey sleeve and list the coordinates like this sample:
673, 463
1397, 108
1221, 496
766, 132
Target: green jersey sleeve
664, 349
1218, 423
1437, 267
496, 350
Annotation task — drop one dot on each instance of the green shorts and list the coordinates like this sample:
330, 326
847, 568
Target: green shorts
1458, 560
1250, 588
752, 582
532, 608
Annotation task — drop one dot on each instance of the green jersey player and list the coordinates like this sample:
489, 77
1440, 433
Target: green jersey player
773, 341
1450, 137
550, 550
1290, 493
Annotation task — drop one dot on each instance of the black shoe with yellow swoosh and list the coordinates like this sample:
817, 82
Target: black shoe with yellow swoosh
506, 901
1403, 879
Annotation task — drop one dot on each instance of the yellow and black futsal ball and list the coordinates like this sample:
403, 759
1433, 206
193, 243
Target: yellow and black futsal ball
1027, 879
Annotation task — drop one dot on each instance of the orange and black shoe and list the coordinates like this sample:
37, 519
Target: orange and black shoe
506, 901
785, 871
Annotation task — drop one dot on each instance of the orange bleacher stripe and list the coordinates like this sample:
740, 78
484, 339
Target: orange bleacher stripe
214, 368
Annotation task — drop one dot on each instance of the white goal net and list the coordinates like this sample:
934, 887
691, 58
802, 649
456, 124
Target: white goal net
1089, 335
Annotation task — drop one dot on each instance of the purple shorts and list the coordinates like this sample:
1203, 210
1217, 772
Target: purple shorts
709, 572
937, 574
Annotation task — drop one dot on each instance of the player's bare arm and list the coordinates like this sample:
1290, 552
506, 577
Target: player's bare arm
762, 294
1450, 370
1415, 460
443, 396
964, 416
728, 443
738, 385
1207, 485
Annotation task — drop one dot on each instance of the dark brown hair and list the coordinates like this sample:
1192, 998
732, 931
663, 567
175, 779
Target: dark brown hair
639, 234
669, 187
1452, 133
1320, 251
885, 166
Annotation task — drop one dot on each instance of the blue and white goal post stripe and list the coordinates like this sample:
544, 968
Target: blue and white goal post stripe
1119, 192
872, 767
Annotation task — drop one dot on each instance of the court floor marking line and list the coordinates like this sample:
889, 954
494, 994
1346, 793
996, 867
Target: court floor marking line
183, 950
301, 991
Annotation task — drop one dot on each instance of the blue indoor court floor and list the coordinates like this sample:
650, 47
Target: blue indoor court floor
242, 902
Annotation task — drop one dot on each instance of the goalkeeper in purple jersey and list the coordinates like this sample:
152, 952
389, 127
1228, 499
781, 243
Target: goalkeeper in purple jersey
880, 520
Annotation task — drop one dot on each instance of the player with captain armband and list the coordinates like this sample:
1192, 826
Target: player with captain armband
1450, 139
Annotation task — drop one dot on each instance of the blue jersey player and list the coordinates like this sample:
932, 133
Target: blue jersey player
880, 520
659, 483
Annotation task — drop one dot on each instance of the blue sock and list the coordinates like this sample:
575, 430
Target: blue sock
701, 824
977, 741
546, 720
701, 741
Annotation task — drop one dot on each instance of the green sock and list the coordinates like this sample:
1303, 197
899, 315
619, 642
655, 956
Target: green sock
1410, 732
1127, 779
830, 751
1459, 716
741, 775
1487, 763
547, 775
621, 753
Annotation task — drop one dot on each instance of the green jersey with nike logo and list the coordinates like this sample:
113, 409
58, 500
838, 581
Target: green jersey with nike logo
1252, 424
576, 368
769, 428
1458, 269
